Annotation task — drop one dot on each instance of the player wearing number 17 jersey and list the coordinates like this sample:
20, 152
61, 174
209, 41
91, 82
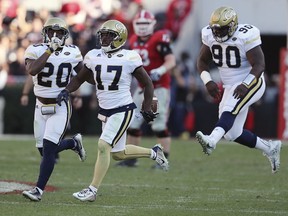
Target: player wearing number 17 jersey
236, 50
111, 69
51, 65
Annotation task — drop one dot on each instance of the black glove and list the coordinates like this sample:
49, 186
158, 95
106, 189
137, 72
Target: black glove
148, 115
63, 95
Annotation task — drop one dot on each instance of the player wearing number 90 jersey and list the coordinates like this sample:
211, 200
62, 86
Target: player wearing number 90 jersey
236, 51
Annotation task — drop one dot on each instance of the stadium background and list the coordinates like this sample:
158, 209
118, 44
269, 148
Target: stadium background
269, 16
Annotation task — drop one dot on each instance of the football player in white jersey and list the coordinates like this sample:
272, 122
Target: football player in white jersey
51, 65
111, 69
236, 50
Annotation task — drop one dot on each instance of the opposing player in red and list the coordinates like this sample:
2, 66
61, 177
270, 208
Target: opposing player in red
158, 59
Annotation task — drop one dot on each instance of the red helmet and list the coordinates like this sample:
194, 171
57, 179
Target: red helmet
143, 23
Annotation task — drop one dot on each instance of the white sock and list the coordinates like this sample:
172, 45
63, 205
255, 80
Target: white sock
153, 154
262, 145
216, 135
92, 188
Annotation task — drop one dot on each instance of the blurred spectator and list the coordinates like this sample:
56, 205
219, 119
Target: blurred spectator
176, 14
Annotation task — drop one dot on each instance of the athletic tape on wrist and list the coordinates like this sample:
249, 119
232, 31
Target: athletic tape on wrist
206, 77
249, 80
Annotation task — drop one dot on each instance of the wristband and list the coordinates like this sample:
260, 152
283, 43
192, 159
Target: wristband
49, 51
206, 77
249, 80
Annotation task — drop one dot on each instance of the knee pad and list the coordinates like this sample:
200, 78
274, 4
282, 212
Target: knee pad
162, 134
134, 132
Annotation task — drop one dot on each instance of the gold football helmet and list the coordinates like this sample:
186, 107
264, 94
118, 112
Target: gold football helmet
52, 25
223, 23
113, 35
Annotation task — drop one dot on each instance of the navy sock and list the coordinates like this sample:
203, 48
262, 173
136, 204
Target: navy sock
226, 121
47, 163
40, 151
247, 138
65, 144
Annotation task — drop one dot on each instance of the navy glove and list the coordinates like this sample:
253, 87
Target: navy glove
63, 95
148, 115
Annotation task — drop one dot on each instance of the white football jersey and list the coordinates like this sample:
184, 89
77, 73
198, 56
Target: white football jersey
58, 70
230, 56
113, 75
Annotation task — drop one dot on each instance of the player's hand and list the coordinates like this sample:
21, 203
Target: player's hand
62, 96
55, 43
148, 115
213, 90
155, 75
240, 91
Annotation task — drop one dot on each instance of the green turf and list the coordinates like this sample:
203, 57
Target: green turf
233, 181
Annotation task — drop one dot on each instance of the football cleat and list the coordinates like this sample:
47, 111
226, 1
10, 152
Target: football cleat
85, 195
274, 154
33, 194
79, 148
160, 157
205, 142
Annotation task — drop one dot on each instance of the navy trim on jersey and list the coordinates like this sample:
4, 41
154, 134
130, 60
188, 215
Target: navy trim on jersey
109, 112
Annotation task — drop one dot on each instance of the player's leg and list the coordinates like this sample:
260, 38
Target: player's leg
134, 131
113, 130
55, 127
230, 109
159, 125
271, 149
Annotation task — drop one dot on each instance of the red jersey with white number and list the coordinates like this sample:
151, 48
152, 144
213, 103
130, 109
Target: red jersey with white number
151, 55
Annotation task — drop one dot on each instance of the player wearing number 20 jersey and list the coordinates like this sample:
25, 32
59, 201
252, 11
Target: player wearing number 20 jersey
236, 50
58, 69
51, 65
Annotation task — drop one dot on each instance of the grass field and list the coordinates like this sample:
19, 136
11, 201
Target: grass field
233, 181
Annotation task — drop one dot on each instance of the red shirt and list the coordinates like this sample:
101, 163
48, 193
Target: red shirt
151, 54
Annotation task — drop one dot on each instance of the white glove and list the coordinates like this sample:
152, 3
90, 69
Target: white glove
156, 73
55, 43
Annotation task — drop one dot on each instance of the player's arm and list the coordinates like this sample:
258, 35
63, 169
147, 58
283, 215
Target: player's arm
256, 58
169, 61
77, 99
203, 61
26, 89
142, 76
35, 66
84, 74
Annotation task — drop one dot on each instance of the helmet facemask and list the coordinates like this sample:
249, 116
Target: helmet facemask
144, 23
55, 27
223, 23
113, 35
